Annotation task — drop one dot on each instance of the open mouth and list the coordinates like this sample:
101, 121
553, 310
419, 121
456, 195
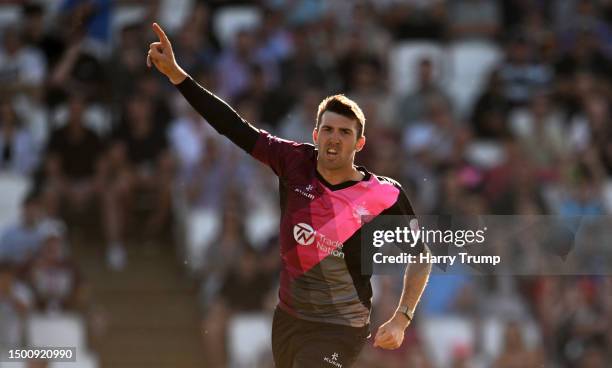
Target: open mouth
332, 152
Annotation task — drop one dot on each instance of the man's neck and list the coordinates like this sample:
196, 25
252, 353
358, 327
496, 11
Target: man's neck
339, 176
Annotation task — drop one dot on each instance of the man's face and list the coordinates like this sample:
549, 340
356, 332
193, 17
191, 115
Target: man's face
337, 140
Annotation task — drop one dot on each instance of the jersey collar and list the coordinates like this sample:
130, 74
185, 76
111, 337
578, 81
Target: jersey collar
366, 176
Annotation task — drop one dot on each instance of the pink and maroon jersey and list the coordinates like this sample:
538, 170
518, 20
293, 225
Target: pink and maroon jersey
320, 238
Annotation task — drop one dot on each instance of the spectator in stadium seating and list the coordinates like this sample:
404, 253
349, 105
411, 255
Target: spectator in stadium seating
78, 69
585, 53
365, 19
306, 68
488, 118
435, 134
55, 278
369, 89
234, 65
451, 192
353, 58
244, 289
541, 131
206, 184
522, 73
22, 68
583, 197
73, 167
125, 67
297, 124
195, 48
592, 129
512, 182
411, 107
148, 86
580, 321
141, 163
188, 135
36, 34
222, 254
18, 151
21, 241
274, 102
276, 43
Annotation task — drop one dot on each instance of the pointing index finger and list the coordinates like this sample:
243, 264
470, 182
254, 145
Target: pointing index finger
161, 34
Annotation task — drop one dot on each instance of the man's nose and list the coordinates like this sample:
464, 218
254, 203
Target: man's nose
334, 137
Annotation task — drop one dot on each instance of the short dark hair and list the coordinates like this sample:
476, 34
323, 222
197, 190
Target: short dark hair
340, 104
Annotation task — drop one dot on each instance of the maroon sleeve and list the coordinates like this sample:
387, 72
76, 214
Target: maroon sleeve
280, 154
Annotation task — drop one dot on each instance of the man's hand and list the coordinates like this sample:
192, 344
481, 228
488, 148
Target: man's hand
390, 334
161, 55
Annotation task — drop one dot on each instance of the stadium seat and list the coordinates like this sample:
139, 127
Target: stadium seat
261, 223
470, 64
202, 228
444, 334
173, 13
404, 62
125, 14
485, 154
231, 19
249, 338
13, 188
59, 330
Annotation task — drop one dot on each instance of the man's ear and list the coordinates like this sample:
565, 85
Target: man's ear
315, 136
360, 143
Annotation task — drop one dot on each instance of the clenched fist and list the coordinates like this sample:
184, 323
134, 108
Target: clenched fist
391, 334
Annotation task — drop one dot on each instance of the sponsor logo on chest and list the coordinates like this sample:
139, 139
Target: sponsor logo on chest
305, 235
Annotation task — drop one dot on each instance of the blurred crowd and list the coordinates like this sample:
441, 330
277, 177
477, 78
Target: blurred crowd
93, 131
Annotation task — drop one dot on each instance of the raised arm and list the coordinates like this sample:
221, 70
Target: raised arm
218, 114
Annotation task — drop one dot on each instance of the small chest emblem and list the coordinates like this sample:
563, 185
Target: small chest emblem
306, 192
